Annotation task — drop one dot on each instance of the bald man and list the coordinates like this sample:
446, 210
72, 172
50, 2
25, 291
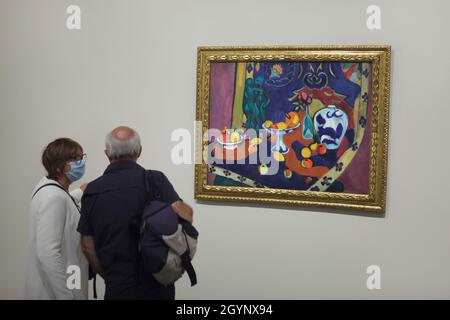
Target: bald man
111, 214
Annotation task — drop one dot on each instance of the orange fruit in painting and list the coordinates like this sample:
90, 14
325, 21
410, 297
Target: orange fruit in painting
224, 137
292, 119
252, 148
287, 173
321, 149
307, 163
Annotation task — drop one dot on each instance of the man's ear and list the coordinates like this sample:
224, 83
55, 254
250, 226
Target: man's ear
107, 155
140, 151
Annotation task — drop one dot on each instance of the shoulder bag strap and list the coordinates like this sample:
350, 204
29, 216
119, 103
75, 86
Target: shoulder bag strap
57, 185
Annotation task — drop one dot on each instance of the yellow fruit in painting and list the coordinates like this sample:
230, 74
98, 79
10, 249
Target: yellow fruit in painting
278, 156
263, 169
306, 153
267, 123
313, 146
282, 125
255, 141
235, 137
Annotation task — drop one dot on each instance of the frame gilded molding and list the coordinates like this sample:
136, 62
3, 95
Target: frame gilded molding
380, 58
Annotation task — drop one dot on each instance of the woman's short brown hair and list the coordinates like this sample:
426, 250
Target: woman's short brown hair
57, 153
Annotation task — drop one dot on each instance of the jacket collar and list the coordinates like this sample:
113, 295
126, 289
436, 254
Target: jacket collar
121, 164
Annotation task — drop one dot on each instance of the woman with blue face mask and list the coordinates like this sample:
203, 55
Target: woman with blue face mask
56, 265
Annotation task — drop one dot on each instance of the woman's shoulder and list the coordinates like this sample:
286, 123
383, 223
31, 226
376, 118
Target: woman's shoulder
48, 189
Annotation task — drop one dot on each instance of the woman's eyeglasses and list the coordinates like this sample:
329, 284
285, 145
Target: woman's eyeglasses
79, 159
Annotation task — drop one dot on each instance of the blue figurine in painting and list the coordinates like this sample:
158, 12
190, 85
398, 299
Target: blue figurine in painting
261, 100
331, 124
255, 103
249, 106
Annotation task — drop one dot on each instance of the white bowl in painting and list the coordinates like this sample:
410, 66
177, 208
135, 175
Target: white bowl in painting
230, 145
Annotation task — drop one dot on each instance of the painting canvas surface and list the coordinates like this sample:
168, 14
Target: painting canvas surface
311, 119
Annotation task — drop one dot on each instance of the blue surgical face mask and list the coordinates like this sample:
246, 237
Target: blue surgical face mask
77, 169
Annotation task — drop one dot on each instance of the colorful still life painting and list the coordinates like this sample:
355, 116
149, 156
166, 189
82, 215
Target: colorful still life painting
313, 116
293, 125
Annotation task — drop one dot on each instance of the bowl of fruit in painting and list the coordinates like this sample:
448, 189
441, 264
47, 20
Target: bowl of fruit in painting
230, 138
291, 122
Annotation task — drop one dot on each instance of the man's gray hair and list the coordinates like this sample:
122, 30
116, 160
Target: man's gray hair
123, 149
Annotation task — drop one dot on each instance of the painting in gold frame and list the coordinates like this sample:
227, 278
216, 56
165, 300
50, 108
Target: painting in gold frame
293, 125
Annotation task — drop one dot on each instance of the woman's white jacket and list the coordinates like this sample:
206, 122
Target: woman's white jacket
56, 266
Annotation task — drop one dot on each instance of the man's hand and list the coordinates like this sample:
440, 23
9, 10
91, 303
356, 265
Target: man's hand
183, 210
83, 186
88, 247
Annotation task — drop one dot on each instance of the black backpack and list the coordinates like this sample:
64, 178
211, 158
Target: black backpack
167, 242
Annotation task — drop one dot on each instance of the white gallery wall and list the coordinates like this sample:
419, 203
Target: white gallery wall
134, 63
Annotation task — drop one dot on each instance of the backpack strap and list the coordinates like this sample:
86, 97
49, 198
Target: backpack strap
153, 190
94, 286
149, 196
187, 264
57, 185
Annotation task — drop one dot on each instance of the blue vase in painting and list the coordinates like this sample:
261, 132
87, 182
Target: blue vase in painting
331, 124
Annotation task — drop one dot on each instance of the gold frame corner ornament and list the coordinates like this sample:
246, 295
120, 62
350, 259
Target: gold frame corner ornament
380, 58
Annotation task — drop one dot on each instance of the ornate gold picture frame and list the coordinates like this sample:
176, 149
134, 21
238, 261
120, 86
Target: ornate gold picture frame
293, 125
